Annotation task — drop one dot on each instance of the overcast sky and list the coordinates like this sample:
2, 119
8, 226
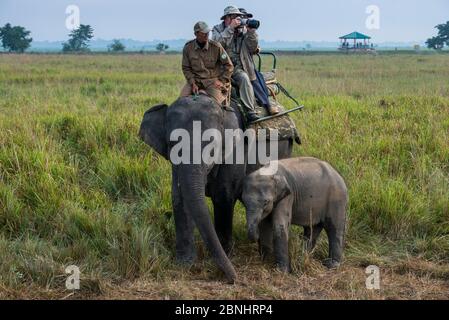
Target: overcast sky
294, 20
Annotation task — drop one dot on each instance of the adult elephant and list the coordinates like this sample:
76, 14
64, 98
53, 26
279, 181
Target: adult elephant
191, 183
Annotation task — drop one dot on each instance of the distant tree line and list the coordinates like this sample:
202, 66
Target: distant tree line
17, 39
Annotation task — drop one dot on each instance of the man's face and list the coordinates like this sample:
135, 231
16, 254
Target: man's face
202, 37
228, 19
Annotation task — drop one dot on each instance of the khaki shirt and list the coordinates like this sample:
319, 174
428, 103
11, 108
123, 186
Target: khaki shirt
205, 65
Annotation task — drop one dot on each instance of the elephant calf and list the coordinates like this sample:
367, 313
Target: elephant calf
304, 191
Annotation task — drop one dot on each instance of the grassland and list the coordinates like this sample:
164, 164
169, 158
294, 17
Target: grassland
77, 186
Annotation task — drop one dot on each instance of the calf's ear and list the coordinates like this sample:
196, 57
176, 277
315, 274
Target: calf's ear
281, 187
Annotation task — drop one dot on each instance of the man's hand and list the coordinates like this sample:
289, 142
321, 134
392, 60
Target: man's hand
218, 84
235, 23
195, 88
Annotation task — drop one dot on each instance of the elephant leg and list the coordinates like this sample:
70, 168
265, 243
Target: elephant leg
280, 241
224, 204
184, 226
224, 195
266, 238
311, 235
335, 233
281, 223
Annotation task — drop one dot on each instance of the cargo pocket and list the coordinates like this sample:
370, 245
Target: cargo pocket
196, 63
210, 63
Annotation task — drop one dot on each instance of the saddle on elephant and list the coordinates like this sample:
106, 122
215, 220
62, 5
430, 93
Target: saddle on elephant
269, 90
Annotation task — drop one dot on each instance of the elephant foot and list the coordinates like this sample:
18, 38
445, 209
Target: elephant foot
283, 268
265, 252
231, 278
185, 260
331, 263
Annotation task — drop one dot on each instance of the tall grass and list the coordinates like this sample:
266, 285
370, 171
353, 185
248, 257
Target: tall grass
77, 186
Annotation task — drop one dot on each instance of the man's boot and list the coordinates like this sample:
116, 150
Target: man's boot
273, 109
252, 116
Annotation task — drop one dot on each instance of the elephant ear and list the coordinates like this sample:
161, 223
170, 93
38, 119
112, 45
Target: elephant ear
282, 188
152, 129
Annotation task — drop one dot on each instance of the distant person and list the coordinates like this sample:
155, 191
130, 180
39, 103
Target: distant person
206, 66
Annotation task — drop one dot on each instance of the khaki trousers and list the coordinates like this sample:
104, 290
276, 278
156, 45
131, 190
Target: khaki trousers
246, 89
211, 90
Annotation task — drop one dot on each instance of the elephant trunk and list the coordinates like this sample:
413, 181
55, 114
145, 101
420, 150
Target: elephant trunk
253, 226
253, 233
192, 183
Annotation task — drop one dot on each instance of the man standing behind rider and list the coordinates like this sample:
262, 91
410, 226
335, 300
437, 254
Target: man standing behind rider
241, 43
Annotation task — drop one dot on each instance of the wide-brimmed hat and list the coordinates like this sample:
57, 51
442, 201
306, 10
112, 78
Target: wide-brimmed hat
245, 13
201, 26
231, 10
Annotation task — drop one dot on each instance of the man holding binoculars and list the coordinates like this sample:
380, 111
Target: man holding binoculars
237, 34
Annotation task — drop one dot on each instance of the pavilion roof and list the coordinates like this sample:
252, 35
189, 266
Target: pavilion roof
355, 35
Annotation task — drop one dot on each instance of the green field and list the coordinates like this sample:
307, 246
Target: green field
77, 186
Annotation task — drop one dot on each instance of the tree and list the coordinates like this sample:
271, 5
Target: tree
15, 39
79, 39
116, 46
161, 47
435, 43
441, 39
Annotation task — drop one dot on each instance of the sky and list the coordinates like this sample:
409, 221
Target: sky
287, 20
